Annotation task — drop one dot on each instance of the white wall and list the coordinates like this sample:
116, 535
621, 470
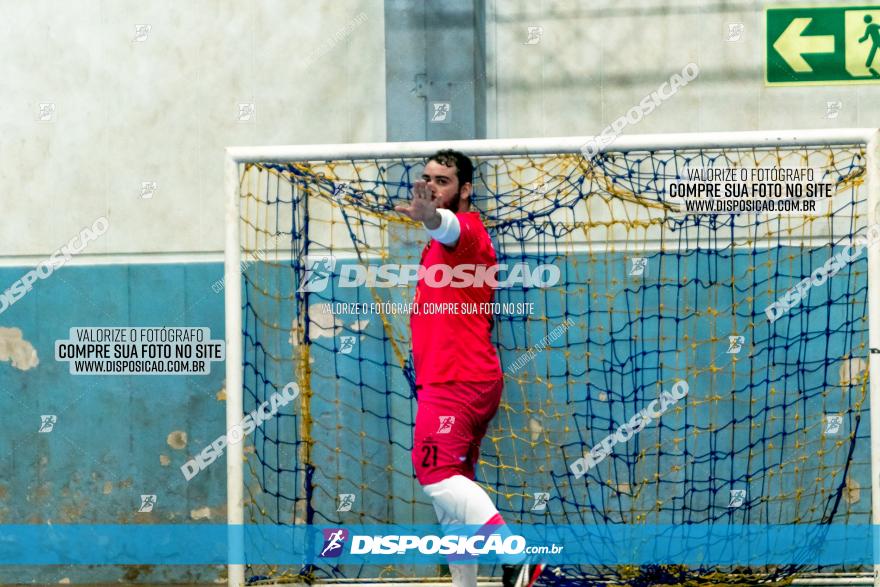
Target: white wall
163, 109
598, 59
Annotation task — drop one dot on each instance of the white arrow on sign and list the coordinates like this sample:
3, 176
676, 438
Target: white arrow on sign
792, 44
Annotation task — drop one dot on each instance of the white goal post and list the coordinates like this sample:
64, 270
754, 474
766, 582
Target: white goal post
237, 157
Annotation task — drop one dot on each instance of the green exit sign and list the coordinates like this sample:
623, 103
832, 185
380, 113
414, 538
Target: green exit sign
823, 45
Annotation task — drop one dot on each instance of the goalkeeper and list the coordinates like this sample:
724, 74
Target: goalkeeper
458, 375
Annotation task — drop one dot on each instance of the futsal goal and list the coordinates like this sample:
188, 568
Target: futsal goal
777, 426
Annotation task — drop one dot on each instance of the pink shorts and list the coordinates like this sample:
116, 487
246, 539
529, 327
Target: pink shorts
451, 421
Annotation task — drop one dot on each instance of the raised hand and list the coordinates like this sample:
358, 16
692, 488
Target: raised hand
421, 208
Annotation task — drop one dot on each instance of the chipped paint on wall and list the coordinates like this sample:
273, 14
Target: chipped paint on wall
177, 440
359, 325
202, 513
13, 347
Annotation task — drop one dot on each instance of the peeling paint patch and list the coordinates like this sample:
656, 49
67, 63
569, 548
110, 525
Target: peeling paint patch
73, 513
65, 581
13, 347
108, 487
203, 513
222, 577
322, 322
132, 572
221, 395
164, 460
4, 491
851, 371
360, 325
853, 491
177, 440
535, 429
42, 492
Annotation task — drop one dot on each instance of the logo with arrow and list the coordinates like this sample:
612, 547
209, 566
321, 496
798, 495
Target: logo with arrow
823, 45
793, 44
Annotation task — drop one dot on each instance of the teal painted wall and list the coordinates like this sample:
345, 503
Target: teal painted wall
111, 442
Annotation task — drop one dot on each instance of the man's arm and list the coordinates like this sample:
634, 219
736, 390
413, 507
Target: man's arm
434, 222
447, 230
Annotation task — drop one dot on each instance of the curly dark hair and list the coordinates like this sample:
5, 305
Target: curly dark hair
463, 165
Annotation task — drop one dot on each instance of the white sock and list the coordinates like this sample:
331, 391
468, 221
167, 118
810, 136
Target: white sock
458, 500
464, 575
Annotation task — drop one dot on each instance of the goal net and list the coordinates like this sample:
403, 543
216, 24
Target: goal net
774, 429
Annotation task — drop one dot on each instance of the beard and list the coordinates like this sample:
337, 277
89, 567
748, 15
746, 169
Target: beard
454, 203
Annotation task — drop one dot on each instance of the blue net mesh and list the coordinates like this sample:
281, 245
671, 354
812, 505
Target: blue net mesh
774, 429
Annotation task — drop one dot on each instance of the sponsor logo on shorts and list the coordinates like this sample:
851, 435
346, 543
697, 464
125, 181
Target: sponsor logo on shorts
446, 423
